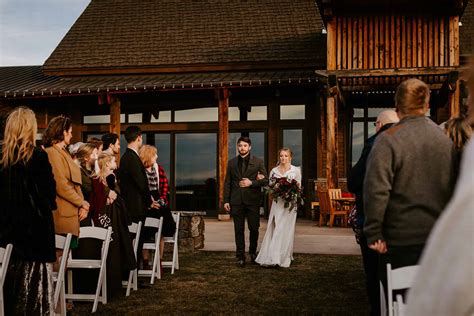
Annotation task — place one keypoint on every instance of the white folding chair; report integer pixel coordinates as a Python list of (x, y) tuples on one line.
[(398, 279), (63, 243), (400, 306), (136, 229), (174, 264), (105, 236), (5, 254), (155, 271)]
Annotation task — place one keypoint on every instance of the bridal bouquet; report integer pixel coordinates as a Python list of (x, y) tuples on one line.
[(286, 189)]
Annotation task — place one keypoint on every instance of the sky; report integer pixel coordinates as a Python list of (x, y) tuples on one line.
[(31, 29)]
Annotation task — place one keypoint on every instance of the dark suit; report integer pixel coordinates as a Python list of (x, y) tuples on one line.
[(134, 185), (245, 202)]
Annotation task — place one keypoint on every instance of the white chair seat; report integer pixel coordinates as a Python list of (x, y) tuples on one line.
[(84, 264)]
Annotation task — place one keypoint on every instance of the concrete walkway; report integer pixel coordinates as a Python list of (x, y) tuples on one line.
[(309, 238)]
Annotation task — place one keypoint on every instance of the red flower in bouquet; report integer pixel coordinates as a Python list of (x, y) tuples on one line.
[(287, 190)]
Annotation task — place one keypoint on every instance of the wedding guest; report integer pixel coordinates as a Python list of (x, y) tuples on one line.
[(111, 143), (459, 130), (109, 209), (99, 144), (243, 195), (409, 180), (86, 156), (73, 149), (71, 205), (27, 192), (158, 186), (355, 184), (277, 245), (133, 180)]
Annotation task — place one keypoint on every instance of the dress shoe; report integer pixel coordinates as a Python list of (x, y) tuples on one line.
[(240, 263), (253, 256)]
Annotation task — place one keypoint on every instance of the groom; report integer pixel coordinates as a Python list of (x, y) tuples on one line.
[(242, 197)]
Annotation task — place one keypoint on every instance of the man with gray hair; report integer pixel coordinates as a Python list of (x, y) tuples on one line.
[(355, 182)]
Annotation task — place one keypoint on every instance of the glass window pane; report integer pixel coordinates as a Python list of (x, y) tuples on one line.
[(258, 144), (234, 113), (101, 119), (357, 141), (292, 112), (371, 129), (258, 113), (196, 115), (196, 185), (374, 112), (163, 144), (293, 139), (135, 118), (358, 112), (164, 117)]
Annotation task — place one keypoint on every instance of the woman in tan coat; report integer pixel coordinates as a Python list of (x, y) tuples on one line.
[(72, 208)]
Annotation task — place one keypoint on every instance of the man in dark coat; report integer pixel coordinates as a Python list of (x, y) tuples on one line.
[(355, 183), (243, 195)]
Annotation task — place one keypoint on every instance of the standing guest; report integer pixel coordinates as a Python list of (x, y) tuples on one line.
[(133, 181), (72, 207), (98, 143), (355, 183), (111, 143), (158, 186), (409, 180), (73, 148), (459, 130), (243, 195), (86, 156), (444, 283), (26, 220)]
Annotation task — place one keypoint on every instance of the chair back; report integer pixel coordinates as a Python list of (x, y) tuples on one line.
[(324, 204), (135, 228), (334, 194), (63, 243), (5, 254), (398, 279)]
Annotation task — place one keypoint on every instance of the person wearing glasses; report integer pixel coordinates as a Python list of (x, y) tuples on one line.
[(355, 183)]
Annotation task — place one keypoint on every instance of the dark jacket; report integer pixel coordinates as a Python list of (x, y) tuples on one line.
[(27, 194), (409, 180), (233, 193), (134, 184), (355, 180)]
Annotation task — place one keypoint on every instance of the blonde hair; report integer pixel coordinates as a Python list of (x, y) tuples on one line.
[(459, 130), (412, 96), (146, 153), (19, 138), (84, 152), (103, 159), (284, 149)]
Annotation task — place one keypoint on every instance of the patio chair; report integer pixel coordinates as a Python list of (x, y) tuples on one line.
[(327, 207), (155, 271), (63, 243), (103, 235), (174, 263), (134, 228), (5, 254)]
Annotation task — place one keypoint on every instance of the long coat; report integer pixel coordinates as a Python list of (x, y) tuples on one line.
[(251, 196), (68, 191), (134, 184)]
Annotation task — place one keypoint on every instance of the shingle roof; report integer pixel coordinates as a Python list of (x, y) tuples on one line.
[(466, 31), (27, 81), (121, 34)]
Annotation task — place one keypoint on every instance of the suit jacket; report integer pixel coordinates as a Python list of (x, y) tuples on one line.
[(252, 195), (134, 184), (69, 198)]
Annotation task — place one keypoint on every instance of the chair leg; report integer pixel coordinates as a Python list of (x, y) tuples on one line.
[(129, 283), (2, 311), (331, 220), (100, 286), (69, 282), (62, 299), (177, 257), (135, 280), (173, 264), (156, 260), (320, 219)]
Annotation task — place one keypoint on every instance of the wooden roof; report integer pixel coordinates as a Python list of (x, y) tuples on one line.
[(129, 36), (29, 81)]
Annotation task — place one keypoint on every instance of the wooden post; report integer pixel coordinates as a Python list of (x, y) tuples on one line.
[(76, 117), (223, 98), (115, 119), (331, 44), (454, 99), (331, 137)]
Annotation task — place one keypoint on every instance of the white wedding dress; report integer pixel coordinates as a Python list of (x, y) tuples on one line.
[(277, 245)]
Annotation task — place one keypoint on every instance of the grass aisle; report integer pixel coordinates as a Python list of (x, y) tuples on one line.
[(210, 283)]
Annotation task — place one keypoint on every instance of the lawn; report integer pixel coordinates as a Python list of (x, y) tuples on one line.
[(210, 283)]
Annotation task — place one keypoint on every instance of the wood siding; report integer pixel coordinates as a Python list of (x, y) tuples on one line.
[(394, 41)]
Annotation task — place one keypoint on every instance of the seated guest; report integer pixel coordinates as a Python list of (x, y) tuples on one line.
[(158, 185)]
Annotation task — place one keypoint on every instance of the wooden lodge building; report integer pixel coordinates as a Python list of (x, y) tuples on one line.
[(195, 75)]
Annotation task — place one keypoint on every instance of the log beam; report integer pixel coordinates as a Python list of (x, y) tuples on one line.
[(223, 112), (331, 137), (115, 127)]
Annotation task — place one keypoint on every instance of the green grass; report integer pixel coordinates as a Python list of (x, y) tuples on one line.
[(211, 283)]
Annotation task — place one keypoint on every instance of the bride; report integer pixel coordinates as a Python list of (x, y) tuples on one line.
[(277, 245)]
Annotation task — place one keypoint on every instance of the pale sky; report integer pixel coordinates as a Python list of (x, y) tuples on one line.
[(31, 29)]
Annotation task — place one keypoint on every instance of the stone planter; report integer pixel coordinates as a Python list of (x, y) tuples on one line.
[(191, 231)]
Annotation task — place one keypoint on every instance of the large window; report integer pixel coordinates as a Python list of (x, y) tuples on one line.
[(293, 139)]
